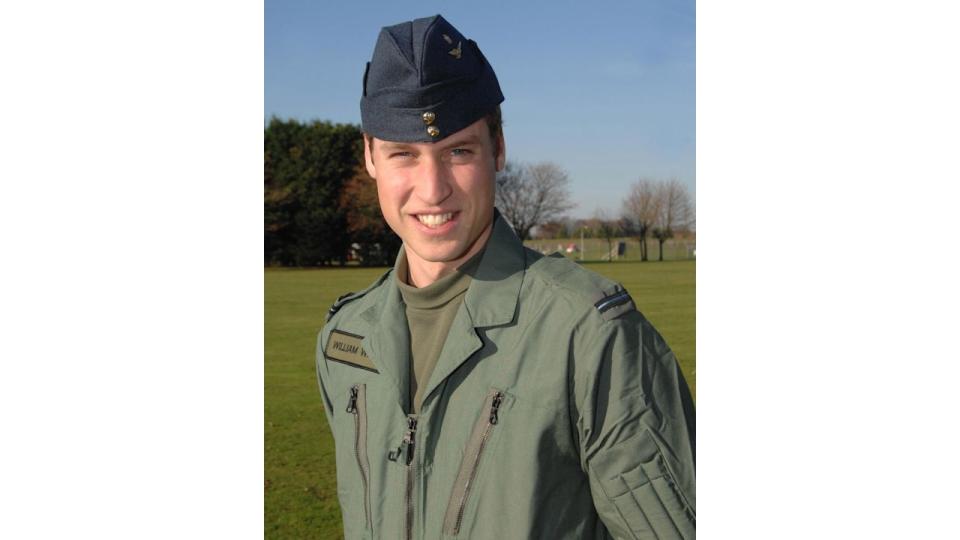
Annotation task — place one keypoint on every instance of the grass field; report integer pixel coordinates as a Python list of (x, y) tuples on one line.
[(299, 471)]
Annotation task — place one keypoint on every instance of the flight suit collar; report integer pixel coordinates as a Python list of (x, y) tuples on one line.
[(492, 297), (491, 300)]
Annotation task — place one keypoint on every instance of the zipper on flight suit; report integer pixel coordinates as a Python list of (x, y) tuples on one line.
[(406, 449), (471, 462), (358, 407)]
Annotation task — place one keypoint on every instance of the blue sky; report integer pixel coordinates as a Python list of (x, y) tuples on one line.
[(605, 90)]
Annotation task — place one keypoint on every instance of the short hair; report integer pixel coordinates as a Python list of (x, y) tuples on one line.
[(494, 120)]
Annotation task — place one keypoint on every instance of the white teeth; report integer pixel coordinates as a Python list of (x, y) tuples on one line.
[(434, 220)]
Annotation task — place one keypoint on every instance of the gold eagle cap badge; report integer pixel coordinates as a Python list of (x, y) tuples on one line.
[(456, 52), (453, 52)]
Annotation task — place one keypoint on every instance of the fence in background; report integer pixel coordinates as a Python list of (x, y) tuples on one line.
[(596, 249)]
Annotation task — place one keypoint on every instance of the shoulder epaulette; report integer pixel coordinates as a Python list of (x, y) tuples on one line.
[(613, 305), (343, 299), (346, 298)]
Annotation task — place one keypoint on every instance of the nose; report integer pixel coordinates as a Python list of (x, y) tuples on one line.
[(433, 183)]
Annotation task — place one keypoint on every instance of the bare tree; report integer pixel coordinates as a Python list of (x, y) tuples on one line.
[(662, 235), (531, 195), (608, 230), (640, 211), (674, 211)]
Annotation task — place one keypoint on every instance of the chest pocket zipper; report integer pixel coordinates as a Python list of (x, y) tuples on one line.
[(358, 407), (465, 481)]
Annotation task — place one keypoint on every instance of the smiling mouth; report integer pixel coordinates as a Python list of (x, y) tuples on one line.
[(434, 220)]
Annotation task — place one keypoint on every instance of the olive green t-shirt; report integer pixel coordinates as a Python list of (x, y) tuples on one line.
[(430, 312)]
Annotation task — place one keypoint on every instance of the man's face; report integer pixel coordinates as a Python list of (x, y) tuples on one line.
[(438, 197)]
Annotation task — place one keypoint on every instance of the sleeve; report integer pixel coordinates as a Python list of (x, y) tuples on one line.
[(322, 374), (635, 421)]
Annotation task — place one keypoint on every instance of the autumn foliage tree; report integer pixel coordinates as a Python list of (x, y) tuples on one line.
[(319, 204), (378, 244)]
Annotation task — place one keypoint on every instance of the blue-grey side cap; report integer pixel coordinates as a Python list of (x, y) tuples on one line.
[(425, 82)]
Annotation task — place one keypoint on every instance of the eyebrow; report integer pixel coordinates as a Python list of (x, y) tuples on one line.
[(470, 139), (390, 146), (387, 145)]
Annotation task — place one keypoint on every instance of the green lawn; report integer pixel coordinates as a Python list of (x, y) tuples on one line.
[(300, 498)]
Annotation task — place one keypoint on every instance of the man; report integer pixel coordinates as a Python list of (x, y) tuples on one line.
[(479, 389)]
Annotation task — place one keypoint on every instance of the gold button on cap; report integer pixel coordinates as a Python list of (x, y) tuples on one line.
[(428, 118), (433, 131)]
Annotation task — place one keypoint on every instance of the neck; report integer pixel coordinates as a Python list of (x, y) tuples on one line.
[(423, 272)]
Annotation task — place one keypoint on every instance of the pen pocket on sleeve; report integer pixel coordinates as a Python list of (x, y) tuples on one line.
[(649, 501)]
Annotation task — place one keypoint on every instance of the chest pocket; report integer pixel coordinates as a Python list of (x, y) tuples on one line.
[(357, 406), (485, 429)]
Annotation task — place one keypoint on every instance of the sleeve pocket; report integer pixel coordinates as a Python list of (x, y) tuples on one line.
[(649, 501)]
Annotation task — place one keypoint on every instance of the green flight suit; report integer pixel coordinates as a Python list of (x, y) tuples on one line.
[(555, 411)]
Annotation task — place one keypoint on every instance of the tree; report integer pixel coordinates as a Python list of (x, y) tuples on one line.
[(662, 235), (552, 229), (304, 169), (366, 227), (607, 229), (674, 211), (587, 227), (640, 211), (528, 196)]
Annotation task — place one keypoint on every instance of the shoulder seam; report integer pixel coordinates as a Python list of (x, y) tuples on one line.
[(609, 299), (351, 296)]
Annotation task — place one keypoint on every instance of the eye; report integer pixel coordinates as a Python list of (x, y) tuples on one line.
[(400, 154), (461, 152)]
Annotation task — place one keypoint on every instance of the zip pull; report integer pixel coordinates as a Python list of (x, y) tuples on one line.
[(406, 445), (395, 454), (405, 448), (495, 407), (409, 438), (352, 406)]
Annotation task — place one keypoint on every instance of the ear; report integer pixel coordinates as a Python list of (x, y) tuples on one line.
[(368, 157), (501, 152)]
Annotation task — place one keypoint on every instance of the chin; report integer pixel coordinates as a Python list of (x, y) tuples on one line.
[(437, 254), (440, 257)]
